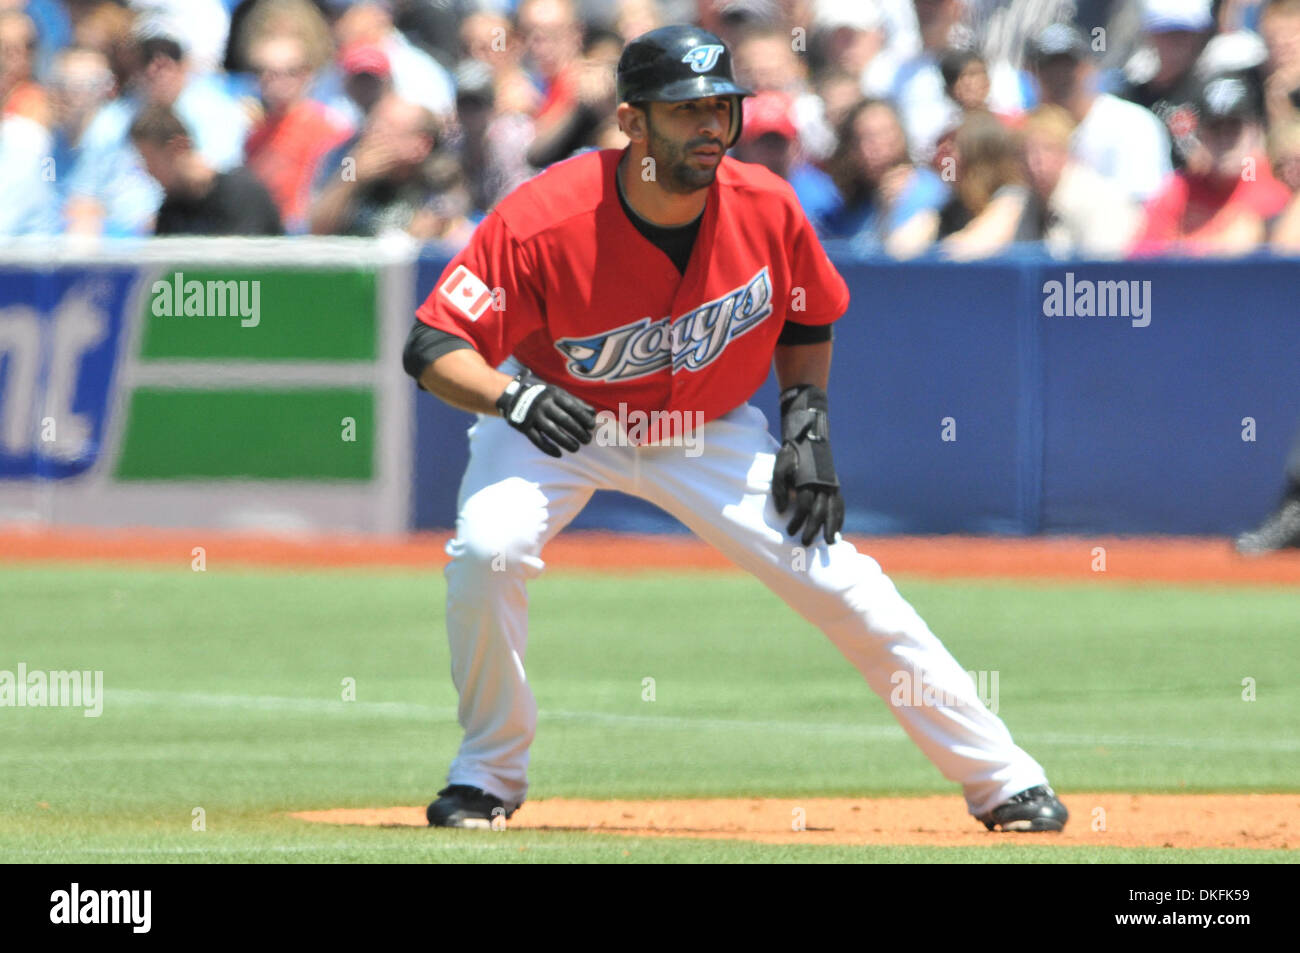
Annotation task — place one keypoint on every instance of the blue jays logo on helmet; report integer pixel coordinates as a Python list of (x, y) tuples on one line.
[(703, 58), (677, 63)]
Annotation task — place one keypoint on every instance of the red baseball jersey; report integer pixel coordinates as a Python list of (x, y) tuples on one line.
[(559, 277)]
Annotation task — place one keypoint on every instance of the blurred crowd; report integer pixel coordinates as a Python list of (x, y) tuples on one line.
[(1093, 128)]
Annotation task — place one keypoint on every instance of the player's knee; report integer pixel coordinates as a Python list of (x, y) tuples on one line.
[(492, 554)]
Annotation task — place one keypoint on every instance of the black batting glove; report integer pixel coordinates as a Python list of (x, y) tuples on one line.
[(803, 466), (549, 416)]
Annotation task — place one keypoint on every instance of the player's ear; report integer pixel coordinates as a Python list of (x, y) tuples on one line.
[(632, 121)]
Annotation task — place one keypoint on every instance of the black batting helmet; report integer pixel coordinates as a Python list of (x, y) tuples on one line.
[(675, 63)]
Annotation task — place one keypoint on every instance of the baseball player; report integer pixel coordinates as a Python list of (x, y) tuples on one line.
[(660, 282)]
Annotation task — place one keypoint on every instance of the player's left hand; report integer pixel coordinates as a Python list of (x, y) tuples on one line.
[(803, 466)]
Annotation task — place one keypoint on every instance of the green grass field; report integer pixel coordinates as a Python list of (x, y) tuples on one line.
[(223, 692)]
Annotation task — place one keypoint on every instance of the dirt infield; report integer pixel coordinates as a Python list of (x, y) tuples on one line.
[(1173, 559), (1260, 821)]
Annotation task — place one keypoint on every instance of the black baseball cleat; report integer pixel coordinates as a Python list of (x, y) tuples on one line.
[(459, 805), (1036, 809), (1279, 531)]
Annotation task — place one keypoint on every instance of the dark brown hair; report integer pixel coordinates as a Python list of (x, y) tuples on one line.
[(844, 165), (157, 125), (988, 159)]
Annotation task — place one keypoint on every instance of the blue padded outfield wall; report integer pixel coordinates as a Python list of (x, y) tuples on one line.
[(1082, 424)]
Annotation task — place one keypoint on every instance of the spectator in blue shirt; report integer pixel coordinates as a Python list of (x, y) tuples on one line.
[(219, 124), (102, 186)]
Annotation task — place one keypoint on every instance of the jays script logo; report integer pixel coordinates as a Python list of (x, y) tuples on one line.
[(703, 58), (691, 342)]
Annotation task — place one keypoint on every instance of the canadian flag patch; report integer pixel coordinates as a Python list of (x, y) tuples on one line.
[(467, 292)]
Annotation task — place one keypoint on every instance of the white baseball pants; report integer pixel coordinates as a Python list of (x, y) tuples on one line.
[(514, 498)]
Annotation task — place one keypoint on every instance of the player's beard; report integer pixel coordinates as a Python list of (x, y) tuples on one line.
[(674, 173)]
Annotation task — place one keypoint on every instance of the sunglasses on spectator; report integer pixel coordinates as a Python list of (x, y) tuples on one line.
[(64, 84), (161, 46), (277, 72)]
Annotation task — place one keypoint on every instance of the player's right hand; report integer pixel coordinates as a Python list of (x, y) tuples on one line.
[(549, 416)]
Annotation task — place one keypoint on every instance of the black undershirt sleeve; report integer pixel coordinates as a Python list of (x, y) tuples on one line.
[(424, 345), (794, 333)]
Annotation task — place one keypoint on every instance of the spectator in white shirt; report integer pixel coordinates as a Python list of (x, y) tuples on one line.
[(850, 34), (1119, 140), (867, 38), (28, 205), (1082, 214), (917, 83), (201, 26), (916, 87)]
